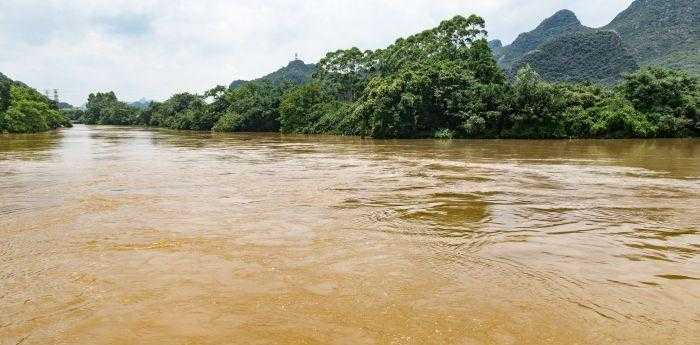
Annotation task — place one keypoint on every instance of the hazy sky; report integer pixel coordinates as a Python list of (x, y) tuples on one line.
[(154, 48)]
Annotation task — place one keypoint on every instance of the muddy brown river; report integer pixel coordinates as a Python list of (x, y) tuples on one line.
[(112, 235)]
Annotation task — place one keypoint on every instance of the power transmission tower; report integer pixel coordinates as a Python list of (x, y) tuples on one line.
[(55, 96)]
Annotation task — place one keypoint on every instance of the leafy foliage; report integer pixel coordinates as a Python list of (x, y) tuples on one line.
[(105, 109), (670, 98), (299, 111), (181, 111), (252, 108), (24, 110)]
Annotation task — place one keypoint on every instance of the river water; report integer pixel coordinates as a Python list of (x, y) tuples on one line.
[(112, 235)]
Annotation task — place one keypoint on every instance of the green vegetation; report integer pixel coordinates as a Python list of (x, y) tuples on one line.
[(105, 109), (296, 72), (600, 57), (662, 33), (24, 110), (562, 80), (251, 108), (562, 23), (658, 33), (441, 83)]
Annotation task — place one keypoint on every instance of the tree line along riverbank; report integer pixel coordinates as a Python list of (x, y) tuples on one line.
[(441, 83)]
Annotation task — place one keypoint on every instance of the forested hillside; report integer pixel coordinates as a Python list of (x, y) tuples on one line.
[(24, 110), (662, 33), (496, 47), (652, 32), (561, 23), (599, 57), (296, 72)]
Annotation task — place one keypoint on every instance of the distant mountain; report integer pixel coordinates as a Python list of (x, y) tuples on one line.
[(560, 24), (141, 104), (496, 47), (64, 105), (595, 56), (296, 72), (662, 32), (651, 32)]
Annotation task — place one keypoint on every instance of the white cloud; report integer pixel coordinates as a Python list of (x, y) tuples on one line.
[(154, 48)]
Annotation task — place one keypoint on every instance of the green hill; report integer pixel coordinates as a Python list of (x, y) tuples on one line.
[(4, 78), (296, 72), (653, 32), (662, 32), (25, 110), (141, 103), (561, 23), (595, 56)]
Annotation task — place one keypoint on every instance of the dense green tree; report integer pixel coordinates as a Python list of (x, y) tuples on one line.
[(172, 112), (254, 107), (5, 101), (30, 112), (670, 98), (217, 97), (27, 117), (297, 113), (534, 107), (103, 108), (5, 97), (345, 72), (416, 86)]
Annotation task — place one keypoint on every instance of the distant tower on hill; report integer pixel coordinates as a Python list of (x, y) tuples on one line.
[(55, 95), (296, 56)]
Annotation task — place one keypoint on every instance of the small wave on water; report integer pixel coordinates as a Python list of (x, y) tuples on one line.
[(213, 237)]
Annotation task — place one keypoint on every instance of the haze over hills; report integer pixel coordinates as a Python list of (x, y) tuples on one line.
[(651, 32)]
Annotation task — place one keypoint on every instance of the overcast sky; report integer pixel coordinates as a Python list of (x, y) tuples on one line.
[(154, 48)]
